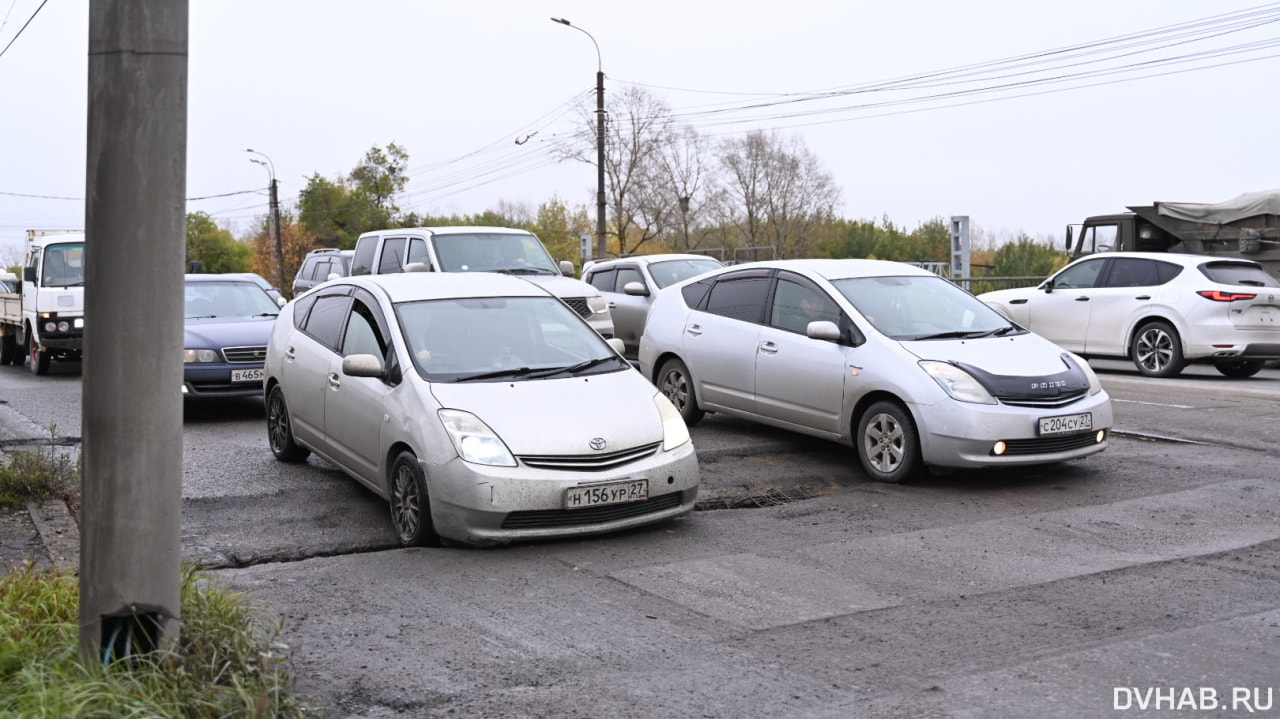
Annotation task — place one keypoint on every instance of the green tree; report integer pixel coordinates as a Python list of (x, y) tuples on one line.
[(333, 213), (1024, 257), (214, 247)]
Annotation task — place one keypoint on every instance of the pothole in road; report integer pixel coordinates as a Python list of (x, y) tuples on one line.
[(770, 498)]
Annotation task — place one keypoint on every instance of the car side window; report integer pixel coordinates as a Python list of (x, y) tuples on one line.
[(795, 306), (325, 321), (1083, 275), (392, 252), (602, 280), (418, 251), (741, 298), (1131, 272), (625, 275), (362, 335), (362, 261)]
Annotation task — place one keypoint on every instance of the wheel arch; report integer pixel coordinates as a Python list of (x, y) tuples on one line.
[(1131, 339)]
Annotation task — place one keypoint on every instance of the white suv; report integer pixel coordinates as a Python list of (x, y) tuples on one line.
[(481, 249)]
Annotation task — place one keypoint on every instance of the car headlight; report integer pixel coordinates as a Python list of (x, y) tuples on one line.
[(957, 383), (473, 440), (1095, 385), (597, 304), (189, 356), (674, 431)]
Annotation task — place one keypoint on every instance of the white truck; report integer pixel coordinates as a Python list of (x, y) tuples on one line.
[(44, 319)]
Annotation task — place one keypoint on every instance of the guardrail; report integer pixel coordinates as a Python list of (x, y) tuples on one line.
[(978, 285)]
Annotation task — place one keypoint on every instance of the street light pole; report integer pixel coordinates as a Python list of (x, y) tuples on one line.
[(600, 202), (275, 213)]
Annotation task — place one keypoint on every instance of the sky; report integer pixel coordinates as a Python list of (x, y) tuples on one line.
[(1024, 116)]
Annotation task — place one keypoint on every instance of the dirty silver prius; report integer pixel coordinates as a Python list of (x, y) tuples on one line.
[(883, 356), (479, 405)]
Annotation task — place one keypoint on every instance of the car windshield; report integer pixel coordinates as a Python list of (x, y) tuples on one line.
[(670, 272), (502, 338), (63, 265), (227, 298), (922, 308), (493, 252)]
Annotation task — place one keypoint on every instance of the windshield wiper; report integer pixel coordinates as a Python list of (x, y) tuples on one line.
[(525, 271), (573, 369), (513, 372)]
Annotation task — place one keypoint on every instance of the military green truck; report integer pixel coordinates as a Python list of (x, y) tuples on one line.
[(1247, 226)]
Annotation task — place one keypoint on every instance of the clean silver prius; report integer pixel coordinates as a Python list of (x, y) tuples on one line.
[(886, 357), (479, 405)]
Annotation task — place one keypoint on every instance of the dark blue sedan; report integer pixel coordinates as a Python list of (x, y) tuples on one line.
[(228, 319)]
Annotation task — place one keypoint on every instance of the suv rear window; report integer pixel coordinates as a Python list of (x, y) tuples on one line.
[(1238, 273)]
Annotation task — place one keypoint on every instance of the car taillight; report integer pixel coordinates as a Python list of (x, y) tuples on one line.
[(1220, 296)]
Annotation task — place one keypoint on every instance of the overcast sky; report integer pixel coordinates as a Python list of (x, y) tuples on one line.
[(314, 84)]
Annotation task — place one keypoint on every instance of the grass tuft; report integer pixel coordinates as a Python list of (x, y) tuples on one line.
[(226, 663), (44, 473)]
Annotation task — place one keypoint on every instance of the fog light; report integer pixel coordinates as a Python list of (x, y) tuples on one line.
[(999, 448), (1102, 435)]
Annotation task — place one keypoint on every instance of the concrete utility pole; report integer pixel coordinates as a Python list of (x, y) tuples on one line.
[(601, 237), (275, 213), (135, 227)]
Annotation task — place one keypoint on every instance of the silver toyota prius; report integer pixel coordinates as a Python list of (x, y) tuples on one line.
[(903, 365), (479, 405)]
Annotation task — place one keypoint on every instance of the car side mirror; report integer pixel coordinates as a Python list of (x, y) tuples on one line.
[(362, 365), (823, 330), (636, 289), (332, 276), (566, 268), (618, 345), (417, 267), (29, 274)]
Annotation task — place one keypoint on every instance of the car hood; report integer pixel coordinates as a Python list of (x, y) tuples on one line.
[(1023, 365), (228, 331), (562, 286), (562, 416)]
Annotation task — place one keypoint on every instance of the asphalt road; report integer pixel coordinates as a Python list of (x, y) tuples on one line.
[(1139, 582)]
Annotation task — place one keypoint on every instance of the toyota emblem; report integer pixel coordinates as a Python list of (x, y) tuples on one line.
[(598, 443)]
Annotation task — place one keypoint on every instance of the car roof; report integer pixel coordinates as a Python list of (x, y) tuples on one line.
[(836, 269), (650, 259), (1181, 258), (451, 230), (413, 286)]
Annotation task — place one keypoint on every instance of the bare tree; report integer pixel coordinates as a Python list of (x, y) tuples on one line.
[(778, 192), (686, 187)]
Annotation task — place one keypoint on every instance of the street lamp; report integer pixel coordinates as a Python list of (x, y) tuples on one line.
[(275, 212), (600, 204)]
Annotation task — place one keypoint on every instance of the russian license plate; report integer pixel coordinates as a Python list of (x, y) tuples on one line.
[(248, 375), (1066, 424), (594, 495)]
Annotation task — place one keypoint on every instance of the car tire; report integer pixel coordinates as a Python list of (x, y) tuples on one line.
[(676, 383), (9, 353), (1157, 350), (888, 444), (1239, 368), (280, 429), (37, 358), (411, 504)]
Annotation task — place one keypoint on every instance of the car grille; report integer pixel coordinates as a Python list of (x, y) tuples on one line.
[(1050, 445), (578, 304), (245, 355), (1050, 402), (589, 462), (550, 518)]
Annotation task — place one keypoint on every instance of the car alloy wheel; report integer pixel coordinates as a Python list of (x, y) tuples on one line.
[(1157, 350), (410, 506), (887, 443), (280, 429), (676, 383)]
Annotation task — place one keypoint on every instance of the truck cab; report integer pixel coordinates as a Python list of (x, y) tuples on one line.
[(53, 298)]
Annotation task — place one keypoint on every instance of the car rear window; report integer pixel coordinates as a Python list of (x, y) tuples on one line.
[(1238, 273)]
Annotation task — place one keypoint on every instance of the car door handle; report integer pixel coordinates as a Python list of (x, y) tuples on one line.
[(693, 329), (334, 380), (1018, 302), (1142, 297), (612, 304), (290, 353), (768, 347), (1082, 298)]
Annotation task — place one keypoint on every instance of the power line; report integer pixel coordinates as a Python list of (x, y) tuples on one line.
[(24, 27)]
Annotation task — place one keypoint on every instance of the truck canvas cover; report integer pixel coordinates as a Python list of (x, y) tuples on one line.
[(1250, 204)]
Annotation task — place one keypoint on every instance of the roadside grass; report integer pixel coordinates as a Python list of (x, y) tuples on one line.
[(228, 662), (45, 473), (225, 665)]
